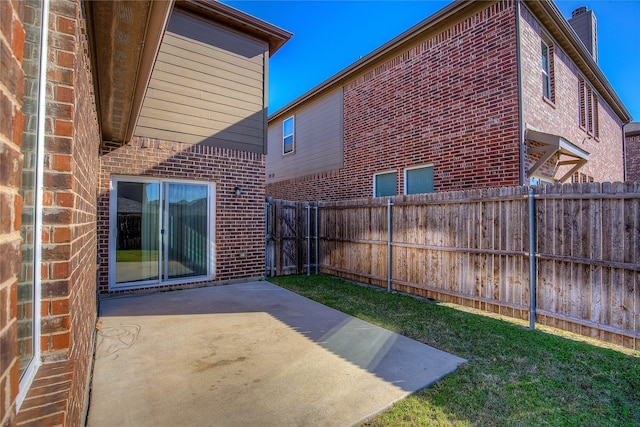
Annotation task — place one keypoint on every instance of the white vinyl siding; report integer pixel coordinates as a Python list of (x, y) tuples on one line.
[(207, 87), (318, 140), (288, 135)]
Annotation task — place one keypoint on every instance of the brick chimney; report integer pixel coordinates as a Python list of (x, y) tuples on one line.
[(584, 24)]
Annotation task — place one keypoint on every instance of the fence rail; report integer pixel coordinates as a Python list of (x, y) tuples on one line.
[(472, 248)]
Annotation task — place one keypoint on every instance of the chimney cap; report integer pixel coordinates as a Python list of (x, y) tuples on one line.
[(579, 11)]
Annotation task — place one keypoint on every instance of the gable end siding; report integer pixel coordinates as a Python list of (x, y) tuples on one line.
[(207, 87), (318, 140)]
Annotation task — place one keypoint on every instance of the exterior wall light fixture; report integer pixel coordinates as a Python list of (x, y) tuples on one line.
[(238, 191)]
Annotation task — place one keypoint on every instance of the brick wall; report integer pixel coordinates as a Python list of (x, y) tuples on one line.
[(632, 142), (68, 268), (561, 114), (78, 200), (239, 220), (449, 100), (12, 37)]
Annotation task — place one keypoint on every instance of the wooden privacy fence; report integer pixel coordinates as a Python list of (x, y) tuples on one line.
[(290, 247), (473, 248)]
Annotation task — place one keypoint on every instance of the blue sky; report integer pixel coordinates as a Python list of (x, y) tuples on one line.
[(330, 35)]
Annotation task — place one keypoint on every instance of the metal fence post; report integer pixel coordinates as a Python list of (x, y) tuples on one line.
[(532, 260), (389, 245), (316, 225), (308, 239)]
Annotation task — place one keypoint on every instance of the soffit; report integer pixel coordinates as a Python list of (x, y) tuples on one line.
[(124, 38)]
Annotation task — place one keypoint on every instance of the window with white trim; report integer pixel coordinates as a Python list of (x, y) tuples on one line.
[(384, 184), (288, 135), (547, 70), (418, 180), (588, 107)]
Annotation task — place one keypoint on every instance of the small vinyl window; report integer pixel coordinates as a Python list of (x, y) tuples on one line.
[(288, 135), (418, 180), (546, 71), (384, 184)]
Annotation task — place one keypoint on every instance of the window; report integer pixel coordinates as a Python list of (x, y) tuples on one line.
[(29, 291), (384, 184), (162, 232), (588, 108), (288, 132), (546, 71), (580, 177), (536, 180), (418, 180)]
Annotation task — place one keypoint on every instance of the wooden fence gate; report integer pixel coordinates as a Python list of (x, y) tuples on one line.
[(291, 237)]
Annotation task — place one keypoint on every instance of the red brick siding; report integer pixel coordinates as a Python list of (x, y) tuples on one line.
[(68, 267), (83, 164), (562, 116), (239, 221), (633, 157), (449, 100), (11, 122)]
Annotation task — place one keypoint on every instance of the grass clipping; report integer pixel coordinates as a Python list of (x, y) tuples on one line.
[(514, 377)]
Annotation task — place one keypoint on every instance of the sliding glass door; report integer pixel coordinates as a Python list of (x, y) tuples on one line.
[(186, 225), (161, 232)]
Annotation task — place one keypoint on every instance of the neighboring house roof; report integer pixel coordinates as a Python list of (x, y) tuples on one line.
[(632, 129), (127, 206), (125, 38), (545, 9)]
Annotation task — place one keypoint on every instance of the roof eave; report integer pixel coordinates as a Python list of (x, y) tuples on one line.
[(235, 18), (571, 43), (565, 34), (375, 55)]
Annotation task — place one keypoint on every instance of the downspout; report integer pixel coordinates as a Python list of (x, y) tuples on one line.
[(266, 239), (523, 180), (624, 153)]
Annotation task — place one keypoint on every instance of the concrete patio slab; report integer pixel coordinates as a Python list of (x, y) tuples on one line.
[(248, 354)]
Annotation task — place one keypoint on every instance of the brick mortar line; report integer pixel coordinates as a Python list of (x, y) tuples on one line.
[(9, 190), (10, 237), (6, 328), (5, 140)]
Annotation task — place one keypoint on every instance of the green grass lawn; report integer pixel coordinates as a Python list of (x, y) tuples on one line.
[(136, 255), (514, 376)]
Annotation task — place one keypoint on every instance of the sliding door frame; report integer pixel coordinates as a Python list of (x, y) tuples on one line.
[(163, 203)]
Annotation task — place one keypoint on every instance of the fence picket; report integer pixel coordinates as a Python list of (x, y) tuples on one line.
[(471, 247)]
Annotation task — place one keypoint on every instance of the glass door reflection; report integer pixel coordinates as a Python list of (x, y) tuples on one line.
[(137, 233)]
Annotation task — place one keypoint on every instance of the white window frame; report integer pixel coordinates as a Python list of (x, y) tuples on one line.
[(375, 175), (24, 383), (287, 135), (113, 214), (546, 72), (428, 165), (540, 180), (588, 101)]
